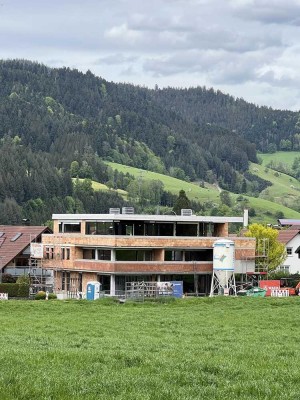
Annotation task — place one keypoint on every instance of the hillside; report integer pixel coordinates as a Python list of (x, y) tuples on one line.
[(284, 157), (265, 209), (58, 124)]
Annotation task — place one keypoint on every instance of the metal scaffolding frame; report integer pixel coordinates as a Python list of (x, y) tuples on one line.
[(37, 274)]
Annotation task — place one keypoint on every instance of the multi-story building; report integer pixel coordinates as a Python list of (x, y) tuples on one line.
[(117, 248)]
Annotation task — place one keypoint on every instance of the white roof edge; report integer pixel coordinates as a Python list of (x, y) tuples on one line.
[(133, 217)]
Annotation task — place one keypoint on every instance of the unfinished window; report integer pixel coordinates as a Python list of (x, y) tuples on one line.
[(104, 255), (133, 255), (49, 252), (65, 280), (199, 255), (166, 229), (65, 253), (171, 255), (100, 228), (88, 254), (74, 227), (186, 229)]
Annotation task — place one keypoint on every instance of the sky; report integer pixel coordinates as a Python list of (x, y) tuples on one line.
[(247, 48)]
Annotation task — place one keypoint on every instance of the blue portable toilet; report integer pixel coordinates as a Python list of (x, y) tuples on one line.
[(93, 290)]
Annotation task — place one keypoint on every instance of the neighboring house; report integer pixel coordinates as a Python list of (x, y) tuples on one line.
[(116, 248), (291, 239), (15, 257)]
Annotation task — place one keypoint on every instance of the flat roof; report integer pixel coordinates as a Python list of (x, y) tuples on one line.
[(143, 217)]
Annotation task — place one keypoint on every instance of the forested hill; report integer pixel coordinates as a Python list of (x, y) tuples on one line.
[(60, 123), (269, 129)]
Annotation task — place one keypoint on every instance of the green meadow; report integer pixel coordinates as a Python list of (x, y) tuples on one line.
[(284, 190), (205, 348), (173, 185), (284, 157), (265, 209)]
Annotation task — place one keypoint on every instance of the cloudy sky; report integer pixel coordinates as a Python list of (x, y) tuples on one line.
[(247, 48)]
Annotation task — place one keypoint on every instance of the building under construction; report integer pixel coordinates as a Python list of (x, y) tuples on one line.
[(122, 247)]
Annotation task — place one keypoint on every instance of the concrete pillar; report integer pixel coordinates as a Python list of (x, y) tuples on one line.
[(246, 218), (113, 255), (55, 227), (112, 285), (158, 278)]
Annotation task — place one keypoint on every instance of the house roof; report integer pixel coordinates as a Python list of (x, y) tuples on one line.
[(15, 239), (284, 221), (286, 235)]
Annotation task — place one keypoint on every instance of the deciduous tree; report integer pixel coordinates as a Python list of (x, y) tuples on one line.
[(267, 245)]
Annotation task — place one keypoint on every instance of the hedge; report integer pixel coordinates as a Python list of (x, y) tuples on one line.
[(15, 289)]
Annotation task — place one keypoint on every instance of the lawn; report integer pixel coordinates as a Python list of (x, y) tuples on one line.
[(220, 348)]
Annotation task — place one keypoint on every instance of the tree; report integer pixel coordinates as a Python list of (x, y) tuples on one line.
[(225, 198), (181, 202), (274, 250), (74, 169)]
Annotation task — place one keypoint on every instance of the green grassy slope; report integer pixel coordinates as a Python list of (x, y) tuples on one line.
[(285, 157), (207, 348), (101, 186), (284, 190), (173, 185), (265, 209)]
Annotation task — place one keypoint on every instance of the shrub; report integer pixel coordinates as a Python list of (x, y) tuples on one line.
[(23, 280), (14, 289), (8, 278), (41, 295), (52, 296)]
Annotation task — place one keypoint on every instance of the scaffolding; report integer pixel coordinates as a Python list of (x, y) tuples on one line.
[(261, 264), (40, 278)]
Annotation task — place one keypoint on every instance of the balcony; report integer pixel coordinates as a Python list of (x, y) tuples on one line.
[(133, 267)]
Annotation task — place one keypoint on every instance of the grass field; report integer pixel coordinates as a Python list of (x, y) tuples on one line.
[(220, 348), (284, 190), (173, 185), (285, 157), (101, 186), (265, 209)]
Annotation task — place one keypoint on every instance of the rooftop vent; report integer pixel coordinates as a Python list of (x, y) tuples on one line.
[(127, 210), (186, 212), (114, 211)]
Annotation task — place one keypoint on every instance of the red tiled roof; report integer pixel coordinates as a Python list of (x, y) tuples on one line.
[(286, 235), (10, 249)]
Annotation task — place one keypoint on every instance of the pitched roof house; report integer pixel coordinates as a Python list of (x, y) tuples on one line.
[(291, 239), (15, 247)]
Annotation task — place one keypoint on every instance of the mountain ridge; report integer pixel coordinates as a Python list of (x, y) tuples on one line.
[(63, 116)]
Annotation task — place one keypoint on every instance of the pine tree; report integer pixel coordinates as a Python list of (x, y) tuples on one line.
[(182, 202)]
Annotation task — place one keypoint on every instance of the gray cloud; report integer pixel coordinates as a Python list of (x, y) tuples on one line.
[(247, 47), (117, 58), (270, 12)]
